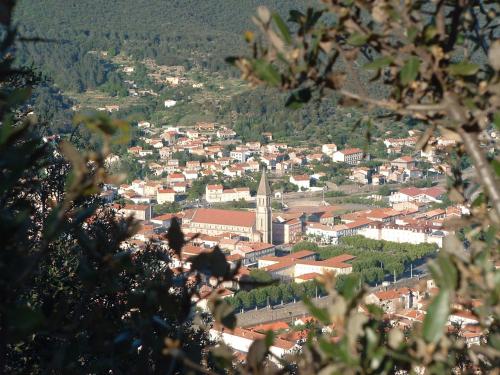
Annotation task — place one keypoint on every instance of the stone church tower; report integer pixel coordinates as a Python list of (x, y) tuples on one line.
[(263, 216)]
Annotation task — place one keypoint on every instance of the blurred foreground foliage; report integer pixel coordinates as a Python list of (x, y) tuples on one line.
[(439, 62)]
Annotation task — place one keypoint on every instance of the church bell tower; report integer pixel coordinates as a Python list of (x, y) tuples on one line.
[(263, 216)]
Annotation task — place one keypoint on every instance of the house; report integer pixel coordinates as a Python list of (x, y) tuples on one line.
[(329, 149), (393, 300), (399, 142), (294, 266), (404, 162), (303, 182), (252, 251), (151, 187), (433, 194), (327, 234), (169, 103), (190, 175), (163, 220), (298, 255), (165, 196), (139, 211), (175, 177), (361, 175), (216, 193), (287, 229), (134, 150), (269, 160), (414, 233), (349, 156), (268, 136), (179, 187), (240, 155), (225, 133), (240, 340), (314, 157), (192, 134)]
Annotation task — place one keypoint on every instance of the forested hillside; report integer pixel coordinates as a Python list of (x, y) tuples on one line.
[(184, 32), (195, 34)]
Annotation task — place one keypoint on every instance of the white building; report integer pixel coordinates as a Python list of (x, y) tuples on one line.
[(325, 233), (240, 340), (240, 155), (169, 103), (329, 149), (165, 196), (217, 193), (349, 156), (425, 195), (303, 182), (404, 234)]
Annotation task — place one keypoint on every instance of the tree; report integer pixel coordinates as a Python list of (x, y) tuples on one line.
[(436, 64), (260, 275), (274, 294), (75, 298), (260, 296), (166, 208), (247, 299), (305, 245), (384, 190)]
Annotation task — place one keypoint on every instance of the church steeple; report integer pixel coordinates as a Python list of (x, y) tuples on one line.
[(263, 216), (264, 188)]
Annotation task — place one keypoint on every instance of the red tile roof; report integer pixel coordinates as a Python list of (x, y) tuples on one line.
[(308, 276), (214, 187), (224, 217), (350, 151), (163, 217), (166, 191)]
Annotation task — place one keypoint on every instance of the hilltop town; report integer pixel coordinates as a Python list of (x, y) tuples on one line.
[(284, 212)]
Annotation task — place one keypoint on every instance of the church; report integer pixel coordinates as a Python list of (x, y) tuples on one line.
[(250, 226)]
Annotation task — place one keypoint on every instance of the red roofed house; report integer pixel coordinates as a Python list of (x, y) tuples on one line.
[(404, 162), (252, 251), (393, 300), (292, 267), (163, 220), (240, 339), (175, 177)]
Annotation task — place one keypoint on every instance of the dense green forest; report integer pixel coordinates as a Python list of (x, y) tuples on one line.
[(175, 32)]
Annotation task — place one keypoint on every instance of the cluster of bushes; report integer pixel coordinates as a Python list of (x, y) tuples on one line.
[(371, 202), (275, 294)]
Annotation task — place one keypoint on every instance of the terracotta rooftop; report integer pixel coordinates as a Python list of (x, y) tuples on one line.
[(434, 191), (350, 151), (163, 217), (166, 191), (224, 217), (308, 276), (214, 187)]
